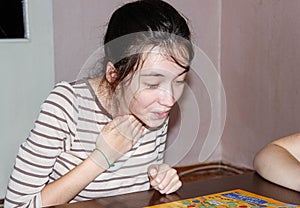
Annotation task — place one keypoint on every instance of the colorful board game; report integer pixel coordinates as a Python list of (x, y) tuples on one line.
[(234, 198)]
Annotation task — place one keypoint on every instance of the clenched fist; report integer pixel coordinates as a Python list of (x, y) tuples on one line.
[(163, 178)]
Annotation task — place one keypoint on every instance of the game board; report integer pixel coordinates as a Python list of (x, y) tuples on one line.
[(234, 198)]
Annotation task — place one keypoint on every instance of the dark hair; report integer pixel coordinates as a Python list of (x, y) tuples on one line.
[(142, 25)]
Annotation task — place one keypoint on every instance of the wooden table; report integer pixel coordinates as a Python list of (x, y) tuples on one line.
[(250, 182)]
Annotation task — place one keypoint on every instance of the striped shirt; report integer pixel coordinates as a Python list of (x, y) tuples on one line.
[(64, 135)]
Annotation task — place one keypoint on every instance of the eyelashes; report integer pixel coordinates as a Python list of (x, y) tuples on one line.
[(180, 81), (152, 86), (156, 85)]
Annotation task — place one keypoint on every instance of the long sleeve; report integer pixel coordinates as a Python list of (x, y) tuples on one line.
[(52, 131)]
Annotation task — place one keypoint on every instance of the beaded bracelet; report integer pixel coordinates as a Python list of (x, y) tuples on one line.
[(109, 164)]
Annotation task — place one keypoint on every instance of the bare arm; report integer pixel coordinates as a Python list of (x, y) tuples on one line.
[(65, 188), (279, 162)]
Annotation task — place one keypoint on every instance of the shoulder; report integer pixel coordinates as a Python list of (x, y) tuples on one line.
[(61, 99), (63, 93), (69, 91), (288, 141), (291, 143), (63, 87)]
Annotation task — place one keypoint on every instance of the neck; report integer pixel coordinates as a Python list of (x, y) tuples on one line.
[(102, 92), (109, 100)]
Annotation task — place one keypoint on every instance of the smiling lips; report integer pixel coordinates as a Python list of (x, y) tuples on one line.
[(161, 115)]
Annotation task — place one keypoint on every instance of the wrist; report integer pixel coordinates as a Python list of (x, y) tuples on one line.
[(101, 159), (105, 157)]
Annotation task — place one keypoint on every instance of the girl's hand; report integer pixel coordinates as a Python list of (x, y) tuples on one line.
[(117, 138), (163, 178)]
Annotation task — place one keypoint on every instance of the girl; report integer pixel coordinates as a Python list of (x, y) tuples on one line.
[(105, 135)]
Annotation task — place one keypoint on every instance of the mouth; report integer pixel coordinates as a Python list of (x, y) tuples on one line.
[(161, 115)]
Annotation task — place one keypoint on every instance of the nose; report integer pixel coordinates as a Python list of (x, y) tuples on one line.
[(166, 98)]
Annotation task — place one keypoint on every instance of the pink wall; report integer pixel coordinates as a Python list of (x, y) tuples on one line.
[(78, 31), (260, 70)]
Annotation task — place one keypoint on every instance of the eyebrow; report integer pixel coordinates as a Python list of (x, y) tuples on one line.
[(154, 74)]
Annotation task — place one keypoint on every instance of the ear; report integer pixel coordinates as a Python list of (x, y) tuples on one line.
[(111, 74)]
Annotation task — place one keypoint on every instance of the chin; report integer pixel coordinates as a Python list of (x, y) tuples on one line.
[(155, 124), (149, 122)]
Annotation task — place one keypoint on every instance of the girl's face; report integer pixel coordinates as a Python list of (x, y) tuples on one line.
[(153, 90)]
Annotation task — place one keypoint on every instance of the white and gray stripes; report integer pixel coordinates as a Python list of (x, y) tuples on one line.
[(63, 136)]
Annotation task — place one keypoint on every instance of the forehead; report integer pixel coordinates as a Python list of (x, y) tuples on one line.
[(159, 63)]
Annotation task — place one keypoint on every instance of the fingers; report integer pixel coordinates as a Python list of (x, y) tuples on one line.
[(124, 121), (118, 137), (131, 128), (166, 180), (122, 130), (173, 186), (117, 121), (120, 121), (137, 132), (152, 171)]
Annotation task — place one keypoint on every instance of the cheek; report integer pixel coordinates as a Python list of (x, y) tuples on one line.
[(142, 100), (178, 93)]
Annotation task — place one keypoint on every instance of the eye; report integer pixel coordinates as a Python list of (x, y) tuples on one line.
[(152, 86), (179, 82)]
